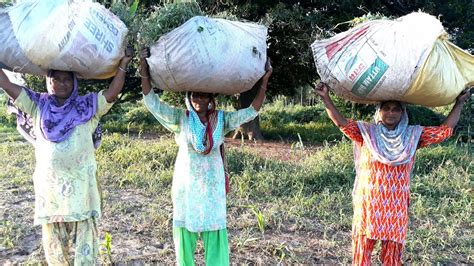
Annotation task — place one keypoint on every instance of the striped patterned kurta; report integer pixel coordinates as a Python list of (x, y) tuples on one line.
[(381, 194)]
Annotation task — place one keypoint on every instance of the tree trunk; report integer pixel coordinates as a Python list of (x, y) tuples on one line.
[(250, 129)]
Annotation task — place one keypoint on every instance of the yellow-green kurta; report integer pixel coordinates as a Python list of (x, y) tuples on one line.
[(65, 182)]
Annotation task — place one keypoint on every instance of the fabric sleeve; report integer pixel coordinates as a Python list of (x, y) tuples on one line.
[(167, 115), (433, 135), (25, 104), (103, 106), (233, 120), (352, 131)]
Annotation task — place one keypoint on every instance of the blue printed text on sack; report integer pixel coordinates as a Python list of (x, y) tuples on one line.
[(369, 79), (99, 35)]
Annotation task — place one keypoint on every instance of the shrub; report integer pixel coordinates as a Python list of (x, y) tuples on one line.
[(165, 18), (7, 121)]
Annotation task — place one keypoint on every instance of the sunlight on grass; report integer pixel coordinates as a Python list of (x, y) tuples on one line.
[(269, 198)]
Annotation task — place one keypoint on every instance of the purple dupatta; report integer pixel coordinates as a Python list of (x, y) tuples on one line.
[(57, 122)]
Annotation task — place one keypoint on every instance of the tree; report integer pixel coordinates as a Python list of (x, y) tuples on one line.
[(292, 27)]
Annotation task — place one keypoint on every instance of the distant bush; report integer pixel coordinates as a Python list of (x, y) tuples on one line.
[(419, 115), (132, 118), (282, 121), (279, 120)]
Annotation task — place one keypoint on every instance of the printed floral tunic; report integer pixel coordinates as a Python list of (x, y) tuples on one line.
[(381, 194), (198, 189), (65, 181)]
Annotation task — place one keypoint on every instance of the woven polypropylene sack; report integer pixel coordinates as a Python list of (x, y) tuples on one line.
[(79, 36), (379, 60), (11, 55), (447, 71), (209, 55)]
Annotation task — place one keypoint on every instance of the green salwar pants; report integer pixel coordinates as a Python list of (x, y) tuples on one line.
[(216, 246)]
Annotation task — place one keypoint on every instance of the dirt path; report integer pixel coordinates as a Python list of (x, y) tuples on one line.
[(141, 234), (140, 226), (291, 152)]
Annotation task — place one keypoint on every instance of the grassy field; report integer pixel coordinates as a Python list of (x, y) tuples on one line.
[(292, 210)]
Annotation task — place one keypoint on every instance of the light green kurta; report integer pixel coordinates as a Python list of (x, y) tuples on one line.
[(198, 189), (65, 181)]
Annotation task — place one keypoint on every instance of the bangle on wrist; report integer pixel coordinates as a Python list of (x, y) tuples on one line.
[(145, 77), (121, 69)]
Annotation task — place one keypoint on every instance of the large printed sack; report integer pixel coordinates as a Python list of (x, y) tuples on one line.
[(11, 55), (79, 36), (408, 59), (209, 55)]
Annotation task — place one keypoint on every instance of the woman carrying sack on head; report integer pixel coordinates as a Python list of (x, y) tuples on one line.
[(384, 158), (67, 193), (199, 182)]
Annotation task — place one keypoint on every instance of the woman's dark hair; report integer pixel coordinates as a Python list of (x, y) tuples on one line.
[(211, 95), (52, 71), (392, 101)]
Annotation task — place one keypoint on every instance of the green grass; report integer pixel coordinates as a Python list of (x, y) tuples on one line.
[(269, 195), (273, 204), (146, 164), (282, 121)]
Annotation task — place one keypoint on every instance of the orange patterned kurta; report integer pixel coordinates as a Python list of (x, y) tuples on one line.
[(381, 192)]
